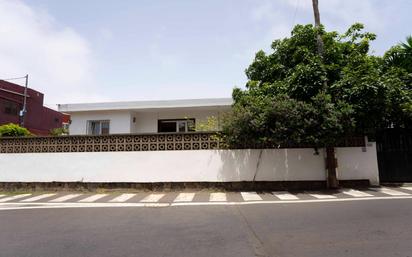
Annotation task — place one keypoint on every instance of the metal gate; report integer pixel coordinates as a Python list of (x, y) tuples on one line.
[(394, 150)]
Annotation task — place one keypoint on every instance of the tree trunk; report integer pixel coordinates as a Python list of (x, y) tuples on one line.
[(331, 162), (331, 165)]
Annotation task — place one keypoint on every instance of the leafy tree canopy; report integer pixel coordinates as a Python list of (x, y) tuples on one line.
[(295, 95)]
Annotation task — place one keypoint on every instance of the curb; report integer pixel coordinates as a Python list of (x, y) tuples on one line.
[(177, 186)]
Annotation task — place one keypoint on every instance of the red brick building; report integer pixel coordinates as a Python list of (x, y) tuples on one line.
[(38, 119)]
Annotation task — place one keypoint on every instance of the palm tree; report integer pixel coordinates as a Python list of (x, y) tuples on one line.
[(400, 55), (407, 46)]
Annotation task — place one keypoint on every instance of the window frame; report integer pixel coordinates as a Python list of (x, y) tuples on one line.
[(12, 106), (177, 122), (89, 130)]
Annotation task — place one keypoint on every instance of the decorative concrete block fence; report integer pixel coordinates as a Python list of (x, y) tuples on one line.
[(110, 143), (165, 158)]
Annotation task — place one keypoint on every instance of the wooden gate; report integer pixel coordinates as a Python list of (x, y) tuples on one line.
[(394, 151)]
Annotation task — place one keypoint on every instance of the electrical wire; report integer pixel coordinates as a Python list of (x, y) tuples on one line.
[(296, 11), (14, 78)]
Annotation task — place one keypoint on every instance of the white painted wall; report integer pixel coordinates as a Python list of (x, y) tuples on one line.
[(186, 166), (146, 122), (351, 166), (120, 121)]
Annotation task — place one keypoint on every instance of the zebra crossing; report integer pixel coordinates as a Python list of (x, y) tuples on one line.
[(37, 198), (65, 198), (179, 198), (217, 197), (12, 198), (285, 196), (356, 193), (122, 198)]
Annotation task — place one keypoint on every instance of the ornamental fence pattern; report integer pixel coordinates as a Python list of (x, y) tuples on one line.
[(132, 142), (109, 143)]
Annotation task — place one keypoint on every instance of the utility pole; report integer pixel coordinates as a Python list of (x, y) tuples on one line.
[(24, 110), (331, 161), (316, 13)]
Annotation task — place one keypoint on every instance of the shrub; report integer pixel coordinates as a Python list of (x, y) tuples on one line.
[(13, 130), (59, 132)]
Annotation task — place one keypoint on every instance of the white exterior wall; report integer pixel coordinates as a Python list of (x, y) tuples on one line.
[(186, 166), (146, 122), (350, 166), (120, 121)]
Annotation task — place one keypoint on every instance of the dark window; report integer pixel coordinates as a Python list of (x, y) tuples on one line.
[(105, 128), (10, 107), (167, 126), (184, 125)]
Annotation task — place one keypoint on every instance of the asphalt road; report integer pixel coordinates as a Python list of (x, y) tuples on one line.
[(357, 228)]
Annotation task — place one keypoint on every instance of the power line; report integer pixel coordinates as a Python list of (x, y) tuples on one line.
[(22, 113), (14, 78), (296, 11)]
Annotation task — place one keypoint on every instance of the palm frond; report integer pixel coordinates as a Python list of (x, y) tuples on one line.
[(407, 45)]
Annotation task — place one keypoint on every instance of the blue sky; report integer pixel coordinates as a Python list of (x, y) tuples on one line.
[(106, 50)]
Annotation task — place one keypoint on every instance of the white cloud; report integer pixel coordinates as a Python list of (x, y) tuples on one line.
[(58, 60)]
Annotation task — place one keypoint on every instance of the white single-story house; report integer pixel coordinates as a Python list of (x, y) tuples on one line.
[(143, 116)]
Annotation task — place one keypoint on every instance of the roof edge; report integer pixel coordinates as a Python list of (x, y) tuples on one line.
[(146, 104)]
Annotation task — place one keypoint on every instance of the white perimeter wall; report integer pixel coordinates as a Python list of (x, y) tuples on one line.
[(187, 166)]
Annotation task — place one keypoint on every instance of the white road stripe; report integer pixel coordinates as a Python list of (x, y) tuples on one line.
[(389, 191), (36, 198), (122, 198), (285, 196), (184, 197), (251, 196), (218, 197), (65, 198), (356, 193), (323, 196), (407, 188), (14, 197), (92, 198), (152, 198)]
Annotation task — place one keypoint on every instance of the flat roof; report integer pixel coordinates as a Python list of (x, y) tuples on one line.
[(142, 105)]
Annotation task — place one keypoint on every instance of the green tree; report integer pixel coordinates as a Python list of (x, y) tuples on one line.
[(287, 100), (400, 56), (59, 132), (211, 123), (397, 64)]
